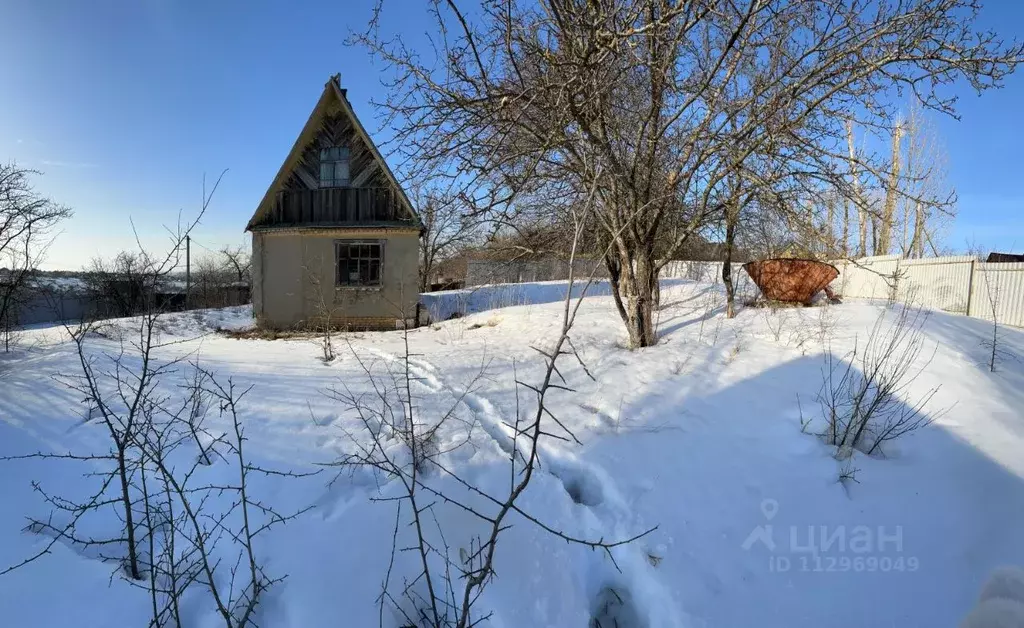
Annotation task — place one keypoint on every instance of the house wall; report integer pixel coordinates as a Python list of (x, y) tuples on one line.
[(294, 279)]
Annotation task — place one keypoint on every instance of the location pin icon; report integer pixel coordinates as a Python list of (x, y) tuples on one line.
[(769, 508)]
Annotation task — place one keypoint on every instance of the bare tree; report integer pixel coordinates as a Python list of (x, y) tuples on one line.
[(238, 259), (447, 227), (210, 283), (911, 178), (27, 220), (124, 285), (992, 293), (929, 203), (533, 99), (325, 306), (993, 288), (218, 279)]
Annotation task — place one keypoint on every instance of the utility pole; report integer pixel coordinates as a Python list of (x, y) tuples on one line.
[(188, 268)]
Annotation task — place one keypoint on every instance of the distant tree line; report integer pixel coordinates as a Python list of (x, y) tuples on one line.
[(125, 285)]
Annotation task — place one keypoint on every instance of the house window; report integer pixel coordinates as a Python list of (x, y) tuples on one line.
[(334, 167), (359, 262)]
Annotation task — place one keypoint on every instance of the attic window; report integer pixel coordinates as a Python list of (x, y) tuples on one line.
[(334, 167)]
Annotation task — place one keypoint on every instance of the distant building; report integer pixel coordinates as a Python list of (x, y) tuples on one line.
[(1004, 257)]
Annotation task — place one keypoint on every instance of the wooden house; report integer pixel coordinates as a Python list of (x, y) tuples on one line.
[(335, 237)]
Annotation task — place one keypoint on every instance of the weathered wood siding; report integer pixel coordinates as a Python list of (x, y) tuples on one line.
[(369, 199), (337, 206), (336, 130)]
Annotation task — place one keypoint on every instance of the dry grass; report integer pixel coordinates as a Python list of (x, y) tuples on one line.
[(493, 321), (255, 333)]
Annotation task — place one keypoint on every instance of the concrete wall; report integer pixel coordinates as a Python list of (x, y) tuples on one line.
[(294, 279), (46, 306)]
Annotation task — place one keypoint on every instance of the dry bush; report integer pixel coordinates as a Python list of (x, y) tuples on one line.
[(203, 532), (710, 301), (326, 309), (995, 350), (863, 396), (179, 526), (819, 329), (154, 511), (776, 317), (827, 323), (401, 443)]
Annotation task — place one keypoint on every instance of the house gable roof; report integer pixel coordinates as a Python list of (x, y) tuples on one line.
[(332, 94)]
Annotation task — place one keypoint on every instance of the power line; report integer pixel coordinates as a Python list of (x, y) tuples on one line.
[(194, 241)]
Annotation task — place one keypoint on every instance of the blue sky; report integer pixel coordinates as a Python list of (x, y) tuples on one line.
[(125, 105)]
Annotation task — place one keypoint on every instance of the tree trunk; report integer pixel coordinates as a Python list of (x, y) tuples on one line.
[(634, 296), (874, 234), (846, 228), (917, 241), (884, 242), (615, 279), (655, 291), (862, 222), (730, 289), (862, 246), (129, 519), (830, 235), (905, 240), (426, 266)]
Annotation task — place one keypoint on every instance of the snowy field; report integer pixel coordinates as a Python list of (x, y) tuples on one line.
[(700, 436)]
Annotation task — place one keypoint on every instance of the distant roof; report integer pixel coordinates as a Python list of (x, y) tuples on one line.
[(1004, 257)]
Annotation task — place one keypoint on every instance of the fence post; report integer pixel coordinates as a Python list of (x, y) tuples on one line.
[(970, 287)]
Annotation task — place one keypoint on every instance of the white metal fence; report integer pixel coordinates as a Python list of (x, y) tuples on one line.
[(954, 284), (959, 284)]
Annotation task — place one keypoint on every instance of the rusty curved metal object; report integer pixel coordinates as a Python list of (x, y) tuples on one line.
[(791, 280)]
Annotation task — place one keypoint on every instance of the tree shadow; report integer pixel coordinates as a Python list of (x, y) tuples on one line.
[(452, 303), (739, 462), (971, 336), (998, 394)]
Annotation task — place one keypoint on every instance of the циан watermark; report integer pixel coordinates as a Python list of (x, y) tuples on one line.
[(830, 549)]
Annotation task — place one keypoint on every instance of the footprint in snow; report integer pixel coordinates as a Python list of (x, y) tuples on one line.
[(614, 607), (582, 485)]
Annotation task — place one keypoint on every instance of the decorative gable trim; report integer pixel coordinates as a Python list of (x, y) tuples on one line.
[(332, 94)]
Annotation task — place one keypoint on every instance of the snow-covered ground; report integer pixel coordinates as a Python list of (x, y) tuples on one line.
[(699, 436)]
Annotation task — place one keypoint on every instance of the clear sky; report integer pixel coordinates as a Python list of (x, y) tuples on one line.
[(125, 105)]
